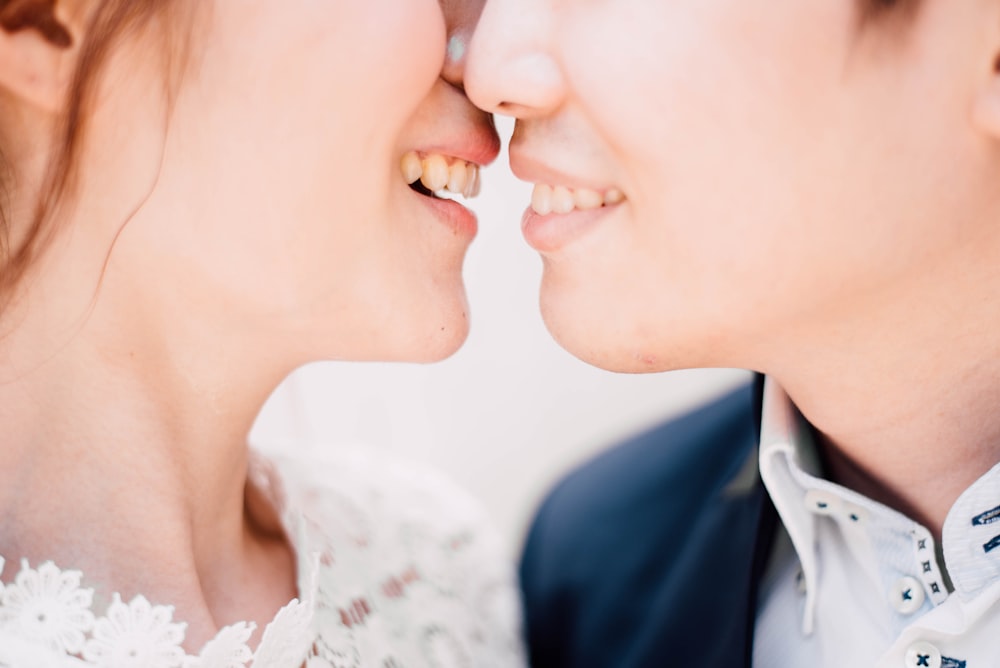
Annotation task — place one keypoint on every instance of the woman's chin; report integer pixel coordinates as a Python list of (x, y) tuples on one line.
[(441, 350), (442, 340), (431, 336)]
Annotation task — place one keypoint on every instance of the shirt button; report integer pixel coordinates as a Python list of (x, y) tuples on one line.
[(907, 595), (923, 655), (856, 514), (822, 502)]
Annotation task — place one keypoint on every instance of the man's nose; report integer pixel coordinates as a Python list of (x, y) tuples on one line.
[(512, 67)]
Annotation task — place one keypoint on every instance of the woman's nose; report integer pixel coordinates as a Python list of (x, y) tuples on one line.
[(511, 67), (460, 17)]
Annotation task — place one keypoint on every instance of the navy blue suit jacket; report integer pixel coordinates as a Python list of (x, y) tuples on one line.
[(650, 555)]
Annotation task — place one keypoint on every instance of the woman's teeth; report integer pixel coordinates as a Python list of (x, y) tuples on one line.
[(436, 173), (546, 199)]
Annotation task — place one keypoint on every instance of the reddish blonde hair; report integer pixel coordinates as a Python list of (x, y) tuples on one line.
[(109, 21)]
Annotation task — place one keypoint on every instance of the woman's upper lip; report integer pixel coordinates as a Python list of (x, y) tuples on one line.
[(479, 145)]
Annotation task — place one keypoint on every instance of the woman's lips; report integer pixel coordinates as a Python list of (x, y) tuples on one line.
[(457, 218), (437, 173), (433, 176)]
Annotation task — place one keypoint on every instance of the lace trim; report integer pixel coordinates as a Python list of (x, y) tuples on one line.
[(46, 619), (397, 568)]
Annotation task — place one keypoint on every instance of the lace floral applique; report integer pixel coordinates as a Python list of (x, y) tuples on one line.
[(46, 621), (229, 649), (47, 607), (288, 639), (136, 635)]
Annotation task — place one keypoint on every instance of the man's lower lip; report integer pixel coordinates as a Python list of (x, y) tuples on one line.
[(460, 220), (553, 231)]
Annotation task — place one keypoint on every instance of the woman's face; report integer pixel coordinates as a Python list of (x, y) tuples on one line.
[(281, 206), (718, 178)]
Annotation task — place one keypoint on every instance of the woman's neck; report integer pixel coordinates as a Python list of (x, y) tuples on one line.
[(125, 457)]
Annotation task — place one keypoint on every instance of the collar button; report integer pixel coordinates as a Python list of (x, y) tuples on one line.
[(922, 655), (907, 595)]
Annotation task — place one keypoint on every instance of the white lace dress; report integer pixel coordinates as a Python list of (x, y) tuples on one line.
[(397, 569)]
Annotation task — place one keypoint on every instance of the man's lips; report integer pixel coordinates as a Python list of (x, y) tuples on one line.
[(558, 191), (546, 199)]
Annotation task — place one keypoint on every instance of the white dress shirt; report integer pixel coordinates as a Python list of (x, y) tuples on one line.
[(855, 583)]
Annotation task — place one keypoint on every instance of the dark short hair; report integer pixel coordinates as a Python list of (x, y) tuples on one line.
[(871, 12)]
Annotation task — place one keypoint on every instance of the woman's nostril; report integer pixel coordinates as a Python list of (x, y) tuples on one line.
[(456, 49)]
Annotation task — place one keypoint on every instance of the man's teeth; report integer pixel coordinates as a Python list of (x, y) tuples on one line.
[(436, 173), (546, 199)]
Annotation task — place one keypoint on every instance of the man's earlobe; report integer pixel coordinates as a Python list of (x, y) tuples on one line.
[(37, 54), (986, 113)]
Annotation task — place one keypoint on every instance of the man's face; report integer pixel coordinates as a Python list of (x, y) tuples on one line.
[(764, 174)]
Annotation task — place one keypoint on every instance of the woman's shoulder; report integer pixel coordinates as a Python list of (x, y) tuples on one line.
[(407, 563), (354, 486)]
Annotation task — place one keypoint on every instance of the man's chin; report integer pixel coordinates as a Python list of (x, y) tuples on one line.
[(615, 340), (606, 348)]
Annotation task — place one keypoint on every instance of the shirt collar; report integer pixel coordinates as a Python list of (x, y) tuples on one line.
[(781, 451), (971, 536), (790, 469)]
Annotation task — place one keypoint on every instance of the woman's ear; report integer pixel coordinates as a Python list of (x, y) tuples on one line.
[(38, 50)]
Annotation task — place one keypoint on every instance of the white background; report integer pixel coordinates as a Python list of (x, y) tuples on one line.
[(507, 414)]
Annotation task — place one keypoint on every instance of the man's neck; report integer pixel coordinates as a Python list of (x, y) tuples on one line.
[(913, 439)]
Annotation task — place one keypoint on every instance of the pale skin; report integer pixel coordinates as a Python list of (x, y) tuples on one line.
[(805, 196), (138, 350)]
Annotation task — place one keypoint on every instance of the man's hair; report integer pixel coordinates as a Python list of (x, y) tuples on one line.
[(873, 12)]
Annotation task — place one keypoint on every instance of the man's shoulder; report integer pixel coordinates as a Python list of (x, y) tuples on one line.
[(650, 475), (633, 553)]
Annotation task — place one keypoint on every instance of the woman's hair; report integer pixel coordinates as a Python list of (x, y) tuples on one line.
[(108, 23)]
